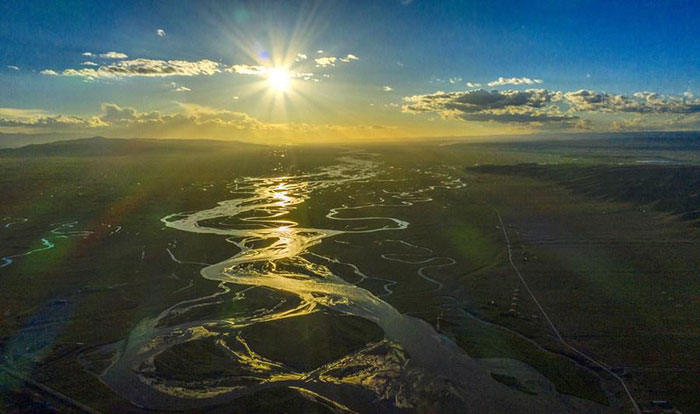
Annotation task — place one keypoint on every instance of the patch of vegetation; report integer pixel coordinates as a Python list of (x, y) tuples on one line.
[(480, 340), (307, 342), (668, 188), (512, 382)]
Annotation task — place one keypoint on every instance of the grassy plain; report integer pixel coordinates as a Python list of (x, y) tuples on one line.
[(608, 245)]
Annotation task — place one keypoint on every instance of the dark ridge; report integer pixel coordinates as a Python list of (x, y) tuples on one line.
[(100, 146), (673, 189), (16, 140), (643, 142), (670, 141)]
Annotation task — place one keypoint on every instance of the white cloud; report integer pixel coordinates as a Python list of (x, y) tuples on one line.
[(302, 75), (388, 89), (262, 71), (179, 88), (326, 61), (320, 52), (141, 67), (473, 85), (514, 81), (194, 115), (255, 70), (144, 67), (51, 122), (13, 67), (113, 55), (348, 58), (301, 57), (192, 121), (88, 54), (161, 32)]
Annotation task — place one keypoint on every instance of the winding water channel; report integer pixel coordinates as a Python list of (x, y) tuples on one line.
[(413, 365)]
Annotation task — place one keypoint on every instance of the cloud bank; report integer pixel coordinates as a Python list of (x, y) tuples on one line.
[(143, 67), (193, 121), (548, 108)]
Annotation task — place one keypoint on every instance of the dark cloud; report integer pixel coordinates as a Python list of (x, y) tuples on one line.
[(511, 106), (545, 107)]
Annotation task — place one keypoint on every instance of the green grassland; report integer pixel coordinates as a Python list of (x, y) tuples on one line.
[(92, 290), (611, 252)]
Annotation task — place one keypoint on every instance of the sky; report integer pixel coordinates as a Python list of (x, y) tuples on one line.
[(304, 71)]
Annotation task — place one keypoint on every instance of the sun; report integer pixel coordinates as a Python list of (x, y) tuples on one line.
[(278, 80)]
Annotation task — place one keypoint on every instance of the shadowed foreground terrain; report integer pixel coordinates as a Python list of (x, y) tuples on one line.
[(191, 276)]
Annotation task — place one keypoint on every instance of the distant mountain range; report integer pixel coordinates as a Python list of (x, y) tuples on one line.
[(20, 140), (97, 146), (67, 145)]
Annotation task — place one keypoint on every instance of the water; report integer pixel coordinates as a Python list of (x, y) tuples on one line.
[(412, 367)]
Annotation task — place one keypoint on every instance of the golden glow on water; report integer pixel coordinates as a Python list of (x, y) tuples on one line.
[(284, 265), (280, 193)]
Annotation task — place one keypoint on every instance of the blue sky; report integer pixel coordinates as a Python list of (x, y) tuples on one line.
[(418, 67)]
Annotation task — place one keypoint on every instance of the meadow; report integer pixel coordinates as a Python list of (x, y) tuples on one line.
[(608, 245)]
